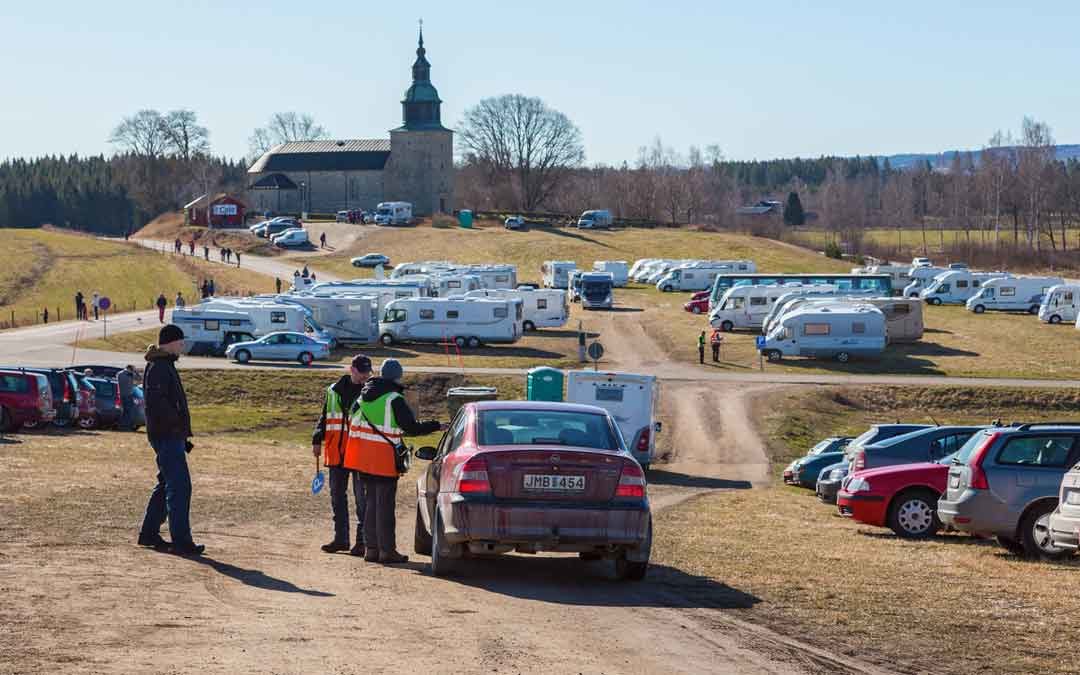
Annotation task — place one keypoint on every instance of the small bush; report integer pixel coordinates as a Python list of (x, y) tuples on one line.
[(832, 250)]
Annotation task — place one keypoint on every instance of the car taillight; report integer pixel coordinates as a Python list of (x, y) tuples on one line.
[(860, 461), (978, 476), (67, 390), (631, 482), (643, 441), (474, 477), (116, 397)]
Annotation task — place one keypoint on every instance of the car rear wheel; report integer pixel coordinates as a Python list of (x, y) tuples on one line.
[(773, 355), (694, 309), (441, 564), (32, 424), (305, 358), (727, 326), (935, 301), (387, 339), (1034, 309), (1035, 534), (666, 289), (843, 357), (913, 514), (87, 422), (421, 538), (630, 570), (979, 309), (243, 356), (528, 326), (1055, 319)]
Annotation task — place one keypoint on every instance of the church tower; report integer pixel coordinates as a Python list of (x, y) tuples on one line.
[(421, 165)]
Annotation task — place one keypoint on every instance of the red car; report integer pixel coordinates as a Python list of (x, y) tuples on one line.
[(532, 476), (902, 498), (25, 398), (86, 401), (699, 303)]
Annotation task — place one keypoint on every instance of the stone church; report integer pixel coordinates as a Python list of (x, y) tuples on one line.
[(415, 165)]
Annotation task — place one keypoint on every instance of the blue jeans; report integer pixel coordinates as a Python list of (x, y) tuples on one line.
[(171, 495), (339, 503)]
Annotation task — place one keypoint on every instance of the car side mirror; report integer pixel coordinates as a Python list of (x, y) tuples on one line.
[(426, 453), (658, 427)]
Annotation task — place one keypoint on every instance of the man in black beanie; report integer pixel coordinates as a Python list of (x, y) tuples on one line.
[(168, 426)]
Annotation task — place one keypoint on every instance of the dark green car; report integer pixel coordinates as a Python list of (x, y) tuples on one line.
[(804, 471)]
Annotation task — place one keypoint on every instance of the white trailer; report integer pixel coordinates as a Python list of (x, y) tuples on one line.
[(699, 276), (556, 273), (468, 322), (393, 213), (746, 306), (618, 269), (956, 286), (1012, 294), (266, 316), (919, 278), (349, 319), (541, 307), (631, 400), (1061, 303), (208, 332), (838, 331), (903, 316)]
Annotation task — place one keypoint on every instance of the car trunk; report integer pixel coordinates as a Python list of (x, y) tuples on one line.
[(555, 474), (959, 479)]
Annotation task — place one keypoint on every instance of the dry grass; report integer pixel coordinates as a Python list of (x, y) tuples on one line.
[(169, 226)]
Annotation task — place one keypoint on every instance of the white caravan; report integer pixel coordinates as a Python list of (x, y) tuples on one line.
[(1012, 294), (423, 267), (638, 264), (804, 293), (838, 331), (594, 219), (646, 267), (746, 306), (266, 316), (385, 289), (207, 332), (631, 400), (618, 269), (348, 318), (956, 286), (556, 273), (903, 316), (542, 307), (597, 291), (1060, 303), (919, 278), (468, 322), (446, 283), (393, 213), (492, 276), (699, 276), (898, 274)]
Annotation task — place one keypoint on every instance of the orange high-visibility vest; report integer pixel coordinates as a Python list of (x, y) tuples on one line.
[(335, 432), (366, 451)]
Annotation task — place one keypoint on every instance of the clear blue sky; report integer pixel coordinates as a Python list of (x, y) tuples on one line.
[(759, 79)]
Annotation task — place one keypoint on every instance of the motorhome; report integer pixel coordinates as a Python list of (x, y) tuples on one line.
[(786, 301), (919, 278), (899, 274), (266, 316), (631, 400), (839, 331), (492, 275), (348, 318), (1012, 294), (393, 213), (647, 267), (542, 307), (468, 322), (903, 316), (638, 264), (208, 332), (956, 286), (385, 289), (699, 276), (446, 283), (556, 273), (595, 219), (745, 307), (1060, 303), (618, 269), (597, 290), (424, 267)]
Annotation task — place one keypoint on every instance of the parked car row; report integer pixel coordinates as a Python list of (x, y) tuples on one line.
[(1019, 484), (33, 398)]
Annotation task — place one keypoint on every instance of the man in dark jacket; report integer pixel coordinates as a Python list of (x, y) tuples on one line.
[(168, 426), (331, 433), (161, 303)]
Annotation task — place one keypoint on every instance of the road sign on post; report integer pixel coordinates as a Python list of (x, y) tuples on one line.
[(596, 352), (104, 304)]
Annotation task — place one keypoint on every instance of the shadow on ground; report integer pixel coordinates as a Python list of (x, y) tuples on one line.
[(658, 476), (257, 578), (572, 235), (909, 359)]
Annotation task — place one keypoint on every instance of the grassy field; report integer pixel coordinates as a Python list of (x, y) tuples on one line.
[(911, 240), (950, 604)]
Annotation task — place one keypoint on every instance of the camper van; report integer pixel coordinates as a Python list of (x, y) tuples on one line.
[(919, 278), (956, 286), (468, 322), (618, 269), (542, 307), (646, 268), (266, 316), (1060, 304), (385, 289), (638, 264), (839, 331), (699, 276), (393, 213), (209, 332), (903, 316), (491, 275), (349, 319), (591, 220), (803, 294), (631, 400), (597, 291), (1012, 294), (556, 273), (424, 267), (746, 306), (446, 283)]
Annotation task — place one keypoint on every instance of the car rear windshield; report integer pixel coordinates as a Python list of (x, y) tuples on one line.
[(819, 448), (545, 427), (104, 388), (961, 456)]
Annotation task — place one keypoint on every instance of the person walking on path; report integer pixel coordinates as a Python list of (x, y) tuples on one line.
[(305, 273), (378, 421), (210, 285), (328, 439), (161, 303), (238, 258), (322, 240), (206, 252), (125, 382), (701, 348), (204, 289), (714, 340), (176, 245), (95, 302), (78, 304), (179, 302), (191, 248), (277, 284), (168, 427), (45, 314)]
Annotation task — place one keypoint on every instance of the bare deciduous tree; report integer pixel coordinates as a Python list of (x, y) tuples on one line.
[(145, 134), (285, 127), (186, 137)]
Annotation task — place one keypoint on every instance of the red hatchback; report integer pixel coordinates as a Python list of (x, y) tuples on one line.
[(532, 476), (699, 303), (25, 398), (902, 497)]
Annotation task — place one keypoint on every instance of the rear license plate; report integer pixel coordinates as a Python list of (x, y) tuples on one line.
[(554, 483), (954, 482)]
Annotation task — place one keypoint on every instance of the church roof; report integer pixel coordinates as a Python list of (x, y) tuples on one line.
[(361, 154)]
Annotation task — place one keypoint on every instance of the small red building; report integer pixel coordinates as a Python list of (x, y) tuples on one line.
[(225, 211)]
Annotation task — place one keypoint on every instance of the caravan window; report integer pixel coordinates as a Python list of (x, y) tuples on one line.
[(742, 268), (451, 314), (858, 327), (452, 284), (758, 302), (403, 294), (501, 313), (212, 324), (502, 278), (277, 317), (974, 283), (1008, 291), (897, 310), (609, 394), (395, 315), (733, 303), (816, 329), (1069, 297), (427, 314), (961, 283), (541, 303), (234, 322)]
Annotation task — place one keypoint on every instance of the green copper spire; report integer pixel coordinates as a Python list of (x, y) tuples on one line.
[(420, 108)]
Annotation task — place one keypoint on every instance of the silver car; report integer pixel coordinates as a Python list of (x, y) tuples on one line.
[(1065, 520), (280, 346), (1004, 483)]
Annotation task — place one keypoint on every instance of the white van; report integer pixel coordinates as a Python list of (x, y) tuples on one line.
[(919, 278), (838, 331), (618, 269), (597, 291), (266, 316), (349, 319), (1060, 303), (542, 307), (956, 286), (631, 400), (556, 273), (699, 276), (209, 332), (594, 219), (468, 322), (1012, 294), (393, 213), (747, 306)]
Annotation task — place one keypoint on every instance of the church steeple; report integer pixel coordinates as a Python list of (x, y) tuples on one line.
[(421, 107)]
